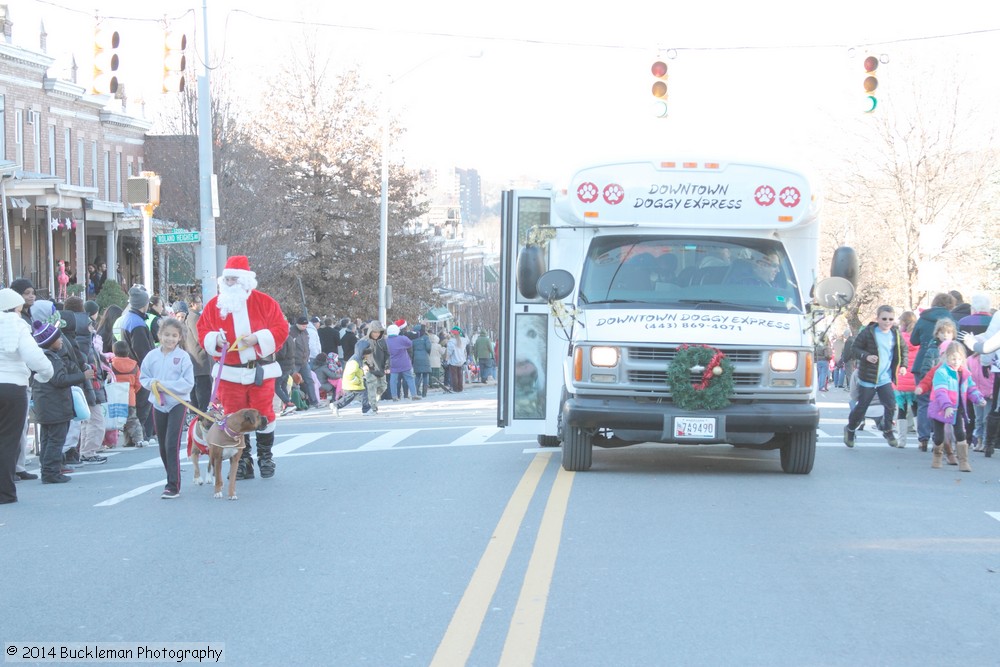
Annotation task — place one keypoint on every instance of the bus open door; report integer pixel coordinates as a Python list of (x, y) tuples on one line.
[(531, 352)]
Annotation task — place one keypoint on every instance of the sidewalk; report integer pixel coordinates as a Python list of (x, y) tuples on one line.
[(434, 396)]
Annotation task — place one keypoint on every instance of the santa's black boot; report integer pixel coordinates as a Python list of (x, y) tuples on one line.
[(264, 443), (245, 468), (992, 435)]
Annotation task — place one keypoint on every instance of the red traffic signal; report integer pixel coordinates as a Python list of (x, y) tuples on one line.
[(871, 81)]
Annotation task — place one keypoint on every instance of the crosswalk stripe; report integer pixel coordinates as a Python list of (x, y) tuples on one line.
[(476, 436), (291, 444), (388, 440), (130, 494)]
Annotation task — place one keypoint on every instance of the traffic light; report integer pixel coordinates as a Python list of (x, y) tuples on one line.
[(106, 43), (871, 83), (174, 61), (659, 70)]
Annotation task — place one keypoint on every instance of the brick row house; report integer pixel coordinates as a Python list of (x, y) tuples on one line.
[(65, 158)]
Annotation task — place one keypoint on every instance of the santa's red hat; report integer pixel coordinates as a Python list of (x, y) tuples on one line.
[(400, 323), (238, 266)]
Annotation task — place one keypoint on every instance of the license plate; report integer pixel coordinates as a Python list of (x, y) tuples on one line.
[(694, 427)]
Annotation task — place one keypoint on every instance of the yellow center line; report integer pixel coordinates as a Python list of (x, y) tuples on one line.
[(463, 630), (526, 624)]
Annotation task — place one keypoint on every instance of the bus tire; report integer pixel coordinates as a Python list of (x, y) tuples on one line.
[(577, 449), (548, 441), (798, 452)]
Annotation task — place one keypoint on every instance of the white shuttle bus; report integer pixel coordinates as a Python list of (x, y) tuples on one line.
[(668, 301)]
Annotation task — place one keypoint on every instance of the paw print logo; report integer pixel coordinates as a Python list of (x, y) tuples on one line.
[(587, 193), (614, 194), (790, 197), (764, 195)]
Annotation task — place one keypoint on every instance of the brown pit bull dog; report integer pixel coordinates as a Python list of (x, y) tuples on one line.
[(224, 439)]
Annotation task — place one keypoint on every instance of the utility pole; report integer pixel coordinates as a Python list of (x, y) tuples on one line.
[(209, 270)]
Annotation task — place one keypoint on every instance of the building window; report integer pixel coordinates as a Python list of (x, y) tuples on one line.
[(36, 137), (79, 161), (19, 138), (93, 164), (52, 150), (118, 176), (107, 176), (68, 152), (3, 132)]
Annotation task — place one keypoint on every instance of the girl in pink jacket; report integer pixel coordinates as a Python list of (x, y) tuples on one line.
[(952, 386)]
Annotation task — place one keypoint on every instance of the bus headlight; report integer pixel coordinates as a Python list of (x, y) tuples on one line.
[(604, 357), (784, 362)]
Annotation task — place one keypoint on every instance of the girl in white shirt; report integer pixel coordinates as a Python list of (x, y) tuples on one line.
[(169, 367)]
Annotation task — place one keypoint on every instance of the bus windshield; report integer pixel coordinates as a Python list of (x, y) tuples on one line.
[(689, 272)]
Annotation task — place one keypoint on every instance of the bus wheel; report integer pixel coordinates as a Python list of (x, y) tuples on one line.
[(548, 441), (798, 451), (578, 447)]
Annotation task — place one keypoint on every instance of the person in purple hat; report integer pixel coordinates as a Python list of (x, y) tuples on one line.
[(53, 402)]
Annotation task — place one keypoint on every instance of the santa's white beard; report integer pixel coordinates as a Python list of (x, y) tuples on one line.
[(232, 299)]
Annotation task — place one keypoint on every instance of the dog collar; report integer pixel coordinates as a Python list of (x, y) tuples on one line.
[(235, 435)]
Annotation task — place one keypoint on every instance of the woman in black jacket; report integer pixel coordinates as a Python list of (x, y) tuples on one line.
[(923, 336), (105, 327)]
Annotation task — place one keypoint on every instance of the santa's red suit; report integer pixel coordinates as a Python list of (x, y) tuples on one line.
[(248, 373)]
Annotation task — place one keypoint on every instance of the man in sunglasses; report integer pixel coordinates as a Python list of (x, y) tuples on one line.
[(881, 354), (760, 271)]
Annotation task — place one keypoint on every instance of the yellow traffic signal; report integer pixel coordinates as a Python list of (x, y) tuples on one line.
[(659, 70), (174, 61), (106, 61)]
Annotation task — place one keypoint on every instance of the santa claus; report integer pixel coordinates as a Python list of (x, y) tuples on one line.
[(245, 327)]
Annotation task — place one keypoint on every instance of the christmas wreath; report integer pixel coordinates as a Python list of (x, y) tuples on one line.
[(712, 392)]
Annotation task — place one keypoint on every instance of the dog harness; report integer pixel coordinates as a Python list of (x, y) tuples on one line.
[(237, 437)]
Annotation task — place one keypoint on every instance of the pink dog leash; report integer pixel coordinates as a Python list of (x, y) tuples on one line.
[(218, 376)]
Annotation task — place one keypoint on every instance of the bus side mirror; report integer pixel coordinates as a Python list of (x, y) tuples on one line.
[(555, 284), (845, 264), (530, 267)]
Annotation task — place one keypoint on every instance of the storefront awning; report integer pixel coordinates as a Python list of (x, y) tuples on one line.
[(441, 314)]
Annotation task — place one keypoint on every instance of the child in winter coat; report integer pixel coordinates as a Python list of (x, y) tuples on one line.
[(126, 369), (169, 368), (951, 387), (944, 332), (53, 401), (353, 380), (329, 373), (906, 403), (297, 393)]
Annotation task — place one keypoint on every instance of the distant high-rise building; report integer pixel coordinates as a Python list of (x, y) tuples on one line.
[(470, 195)]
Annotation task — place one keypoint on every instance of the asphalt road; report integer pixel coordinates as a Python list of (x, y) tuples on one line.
[(425, 535)]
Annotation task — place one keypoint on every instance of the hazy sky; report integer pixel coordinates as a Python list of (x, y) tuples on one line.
[(560, 84)]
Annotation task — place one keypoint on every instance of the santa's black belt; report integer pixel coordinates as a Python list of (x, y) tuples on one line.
[(255, 362)]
